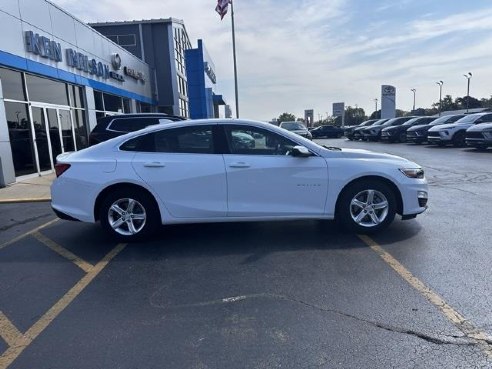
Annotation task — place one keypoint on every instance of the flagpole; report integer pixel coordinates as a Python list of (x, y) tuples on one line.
[(234, 55)]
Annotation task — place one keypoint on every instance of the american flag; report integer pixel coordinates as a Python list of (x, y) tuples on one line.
[(221, 7)]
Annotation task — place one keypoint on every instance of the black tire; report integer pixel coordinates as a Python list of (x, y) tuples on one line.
[(459, 139), (403, 137), (144, 206), (348, 212)]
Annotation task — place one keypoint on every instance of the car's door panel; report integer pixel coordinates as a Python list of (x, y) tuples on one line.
[(276, 184), (190, 184)]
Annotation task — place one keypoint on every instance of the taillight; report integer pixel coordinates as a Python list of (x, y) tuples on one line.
[(60, 168)]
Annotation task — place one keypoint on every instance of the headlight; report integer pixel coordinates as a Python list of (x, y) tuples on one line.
[(413, 172), (487, 134), (444, 133)]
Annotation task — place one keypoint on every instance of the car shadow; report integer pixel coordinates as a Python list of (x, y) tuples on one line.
[(255, 240)]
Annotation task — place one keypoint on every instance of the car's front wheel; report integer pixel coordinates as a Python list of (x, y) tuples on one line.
[(129, 214), (366, 206)]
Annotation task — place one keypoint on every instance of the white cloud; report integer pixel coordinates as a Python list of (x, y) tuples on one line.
[(296, 55)]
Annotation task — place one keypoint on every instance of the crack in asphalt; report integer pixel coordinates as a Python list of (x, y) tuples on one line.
[(462, 340), (24, 221)]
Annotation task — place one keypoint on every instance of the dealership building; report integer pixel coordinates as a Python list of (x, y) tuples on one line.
[(58, 75)]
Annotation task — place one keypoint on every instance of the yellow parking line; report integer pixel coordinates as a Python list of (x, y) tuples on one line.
[(23, 342), (82, 264), (3, 245), (464, 325), (8, 331)]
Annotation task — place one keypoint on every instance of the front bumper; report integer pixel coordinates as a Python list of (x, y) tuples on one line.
[(478, 142)]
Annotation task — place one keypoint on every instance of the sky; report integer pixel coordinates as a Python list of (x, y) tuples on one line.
[(294, 55)]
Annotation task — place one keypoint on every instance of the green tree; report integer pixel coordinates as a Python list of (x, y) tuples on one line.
[(286, 117), (353, 116), (472, 102), (486, 103)]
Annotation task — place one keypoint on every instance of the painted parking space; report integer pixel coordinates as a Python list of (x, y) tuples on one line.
[(255, 293)]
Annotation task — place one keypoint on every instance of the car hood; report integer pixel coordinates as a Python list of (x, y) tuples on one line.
[(449, 126), (480, 127), (370, 155)]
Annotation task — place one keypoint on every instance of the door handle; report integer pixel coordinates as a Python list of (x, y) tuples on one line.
[(239, 164), (154, 164)]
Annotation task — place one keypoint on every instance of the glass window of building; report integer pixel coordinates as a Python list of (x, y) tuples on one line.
[(12, 84), (21, 139), (46, 90), (127, 105), (112, 103), (98, 99)]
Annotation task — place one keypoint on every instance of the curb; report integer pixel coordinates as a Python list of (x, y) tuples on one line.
[(16, 201)]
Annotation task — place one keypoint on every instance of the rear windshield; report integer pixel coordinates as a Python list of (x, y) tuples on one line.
[(292, 125)]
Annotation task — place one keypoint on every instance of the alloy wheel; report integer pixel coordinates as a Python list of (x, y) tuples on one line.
[(127, 216), (369, 208)]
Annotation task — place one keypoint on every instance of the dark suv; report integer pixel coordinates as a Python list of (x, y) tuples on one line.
[(117, 125)]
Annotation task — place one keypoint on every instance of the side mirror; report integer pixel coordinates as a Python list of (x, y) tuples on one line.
[(300, 151)]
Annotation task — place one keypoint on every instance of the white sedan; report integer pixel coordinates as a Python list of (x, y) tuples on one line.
[(198, 171)]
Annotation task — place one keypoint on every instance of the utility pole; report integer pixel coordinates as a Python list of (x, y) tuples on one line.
[(468, 77), (413, 90), (440, 83), (376, 101)]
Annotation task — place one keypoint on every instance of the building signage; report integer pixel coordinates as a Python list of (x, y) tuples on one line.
[(210, 72), (135, 74), (388, 101), (82, 62), (43, 46), (50, 49)]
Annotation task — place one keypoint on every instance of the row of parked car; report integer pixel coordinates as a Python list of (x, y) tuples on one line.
[(474, 130)]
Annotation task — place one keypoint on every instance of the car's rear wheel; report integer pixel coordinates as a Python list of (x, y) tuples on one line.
[(366, 206), (129, 215)]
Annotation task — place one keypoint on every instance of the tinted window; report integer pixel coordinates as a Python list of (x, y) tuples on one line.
[(196, 140), (98, 100), (46, 90), (112, 103), (256, 141), (292, 126), (131, 125), (12, 84)]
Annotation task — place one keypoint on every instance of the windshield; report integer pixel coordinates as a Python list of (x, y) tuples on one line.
[(411, 122), (469, 119), (446, 119), (291, 126)]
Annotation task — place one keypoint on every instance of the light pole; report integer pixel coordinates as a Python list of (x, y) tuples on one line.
[(413, 90), (468, 77), (440, 83), (376, 101)]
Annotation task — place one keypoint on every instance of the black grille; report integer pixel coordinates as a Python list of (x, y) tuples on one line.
[(422, 202), (433, 134), (474, 135), (411, 134)]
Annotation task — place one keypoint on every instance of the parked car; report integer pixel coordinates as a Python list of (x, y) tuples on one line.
[(189, 172), (327, 131), (358, 132), (455, 133), (117, 125), (349, 131), (479, 136), (418, 134), (399, 133), (373, 133), (297, 128)]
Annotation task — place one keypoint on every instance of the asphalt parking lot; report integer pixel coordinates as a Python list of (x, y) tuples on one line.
[(258, 295)]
